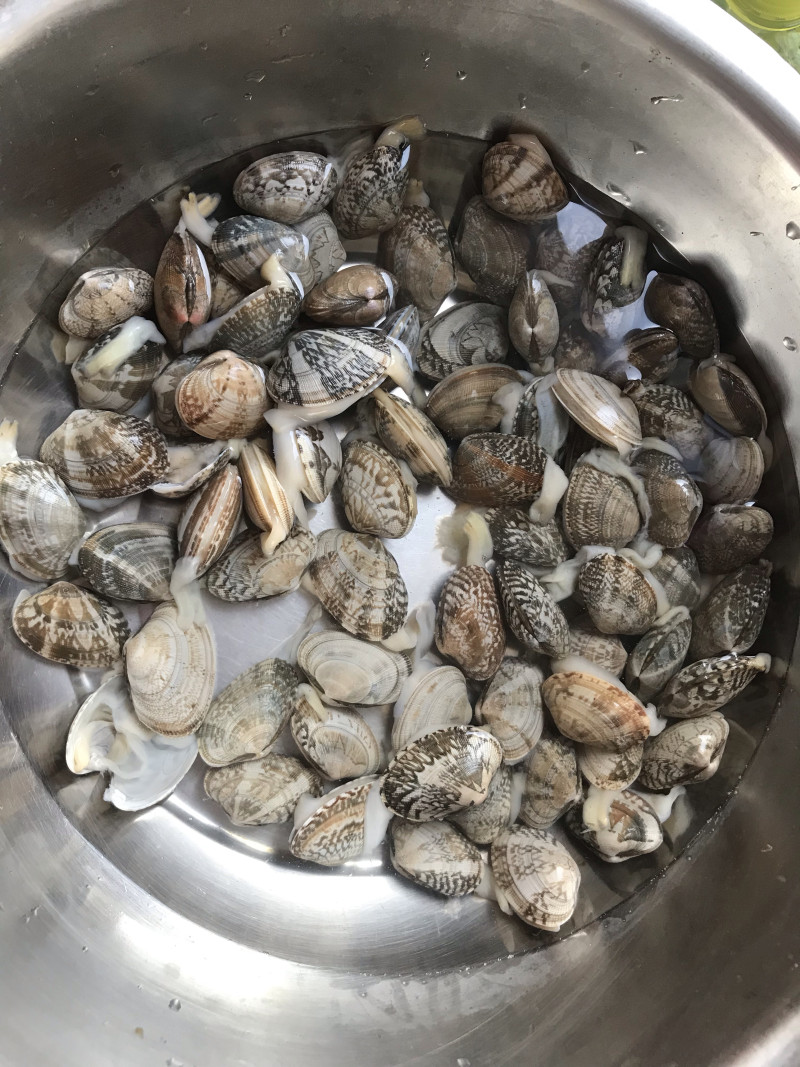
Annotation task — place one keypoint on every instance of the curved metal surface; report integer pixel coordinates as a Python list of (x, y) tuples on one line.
[(700, 967)]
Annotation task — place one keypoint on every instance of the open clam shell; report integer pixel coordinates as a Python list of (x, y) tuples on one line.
[(497, 469), (245, 573), (616, 825), (615, 278), (183, 288), (709, 684), (258, 325), (727, 536), (68, 625), (410, 435), (264, 497), (617, 595), (599, 408), (463, 403), (224, 396), (464, 335), (418, 252), (670, 414), (535, 877), (343, 825), (519, 179), (378, 495), (357, 295), (337, 742), (531, 613), (731, 617), (511, 708), (350, 671), (286, 186), (435, 855), (593, 707), (119, 368), (653, 352), (493, 250), (325, 251), (684, 753), (657, 656), (103, 298), (683, 306), (469, 627), (191, 465), (552, 784), (261, 791), (130, 560)]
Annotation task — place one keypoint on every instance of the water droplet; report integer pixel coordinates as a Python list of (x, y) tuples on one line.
[(790, 343), (674, 99), (638, 149), (248, 96), (362, 993), (255, 76), (756, 233), (404, 982), (92, 90), (793, 231), (523, 101), (585, 68), (114, 171), (426, 59), (284, 29), (461, 75), (209, 118), (85, 948), (172, 1062), (175, 1004), (462, 1061), (204, 46), (619, 194)]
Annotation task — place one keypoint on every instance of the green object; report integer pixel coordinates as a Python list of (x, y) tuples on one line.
[(776, 21)]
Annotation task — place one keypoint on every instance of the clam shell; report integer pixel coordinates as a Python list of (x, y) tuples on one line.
[(210, 518), (435, 855), (605, 650), (576, 350), (511, 708), (552, 783), (570, 261), (492, 249), (258, 325), (165, 414), (358, 582), (183, 288), (225, 292), (727, 536), (657, 656), (40, 521), (732, 469), (410, 435), (244, 720), (589, 709), (533, 320), (129, 560), (103, 298), (418, 252), (684, 753), (344, 825), (287, 186), (674, 498), (464, 335), (325, 251), (245, 573), (119, 368), (617, 595), (679, 576), (261, 791), (347, 670), (469, 627), (482, 824), (244, 243), (223, 397), (319, 456), (607, 769), (191, 465), (495, 469), (731, 617), (463, 402), (599, 508), (357, 295), (531, 613), (440, 773), (726, 394), (615, 278), (653, 352), (536, 875), (631, 828), (516, 536), (666, 412), (337, 742), (683, 306), (101, 454), (171, 672), (378, 496), (704, 686), (519, 180), (436, 699), (68, 625), (370, 196), (264, 498), (404, 325), (599, 408)]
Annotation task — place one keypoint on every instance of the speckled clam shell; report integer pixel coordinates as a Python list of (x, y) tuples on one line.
[(122, 384), (653, 352), (615, 278), (210, 518), (633, 830), (245, 573), (358, 582), (731, 470), (683, 306), (684, 753), (469, 627), (191, 464), (483, 823), (731, 617), (492, 249), (244, 243), (709, 684), (533, 324), (536, 875), (287, 186), (599, 408), (164, 387), (225, 292), (674, 498), (40, 521), (591, 710), (410, 435), (464, 335), (171, 672), (510, 708), (599, 508), (325, 251), (68, 625), (679, 576), (259, 324), (101, 454), (617, 595), (576, 350), (658, 655), (440, 773), (320, 455), (130, 560), (183, 288), (531, 613), (519, 180), (607, 769), (439, 699), (552, 783), (670, 414), (261, 791), (357, 295), (104, 297), (516, 536), (335, 831), (569, 261), (347, 670), (245, 719), (224, 396), (337, 742), (463, 402), (496, 469), (378, 496), (727, 536), (404, 325), (605, 650), (725, 393), (264, 498), (435, 855), (370, 195), (418, 253)]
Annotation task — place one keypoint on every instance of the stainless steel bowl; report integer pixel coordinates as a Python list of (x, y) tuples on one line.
[(161, 939)]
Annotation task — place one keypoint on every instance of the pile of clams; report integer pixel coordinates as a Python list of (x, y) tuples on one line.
[(608, 581)]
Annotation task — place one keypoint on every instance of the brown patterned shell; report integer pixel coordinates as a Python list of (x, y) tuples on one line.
[(258, 325), (117, 371), (679, 576), (591, 710), (511, 708), (68, 625), (516, 536), (633, 828), (418, 253), (410, 435), (617, 595), (378, 496), (286, 186), (103, 298), (496, 469), (370, 195), (223, 397), (709, 684), (337, 742), (130, 560), (536, 875), (165, 414), (357, 295), (244, 243), (469, 627), (210, 518), (245, 573), (262, 791), (552, 783), (605, 650), (731, 617), (727, 536), (731, 470), (463, 402), (532, 615), (519, 180), (464, 335), (335, 831), (685, 753), (607, 769), (653, 352), (599, 408), (325, 251), (725, 393), (493, 250), (657, 656), (483, 822), (183, 288), (669, 413), (674, 498), (435, 855), (683, 306), (599, 508)]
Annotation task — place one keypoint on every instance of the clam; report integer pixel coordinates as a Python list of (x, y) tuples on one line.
[(511, 708), (325, 251), (599, 408), (411, 436), (171, 672), (674, 498), (602, 503), (464, 335), (552, 783), (358, 582), (441, 773), (403, 325), (343, 825), (678, 576), (349, 671), (357, 295), (119, 368), (535, 877), (590, 705), (225, 292), (435, 855), (164, 387), (493, 250), (243, 244), (576, 350), (516, 536), (537, 415), (617, 595), (40, 521), (727, 536), (616, 825), (731, 617), (261, 791), (224, 396), (287, 186), (683, 306), (726, 394), (191, 465), (431, 699), (684, 753), (704, 686), (245, 573), (69, 625), (531, 613), (605, 650), (533, 321), (208, 521), (670, 414), (103, 298), (264, 499), (378, 491), (615, 278), (658, 655), (337, 742), (653, 352), (566, 253), (308, 461), (731, 470), (482, 824), (183, 288), (244, 720), (519, 179), (496, 469), (129, 560), (102, 455), (464, 402), (607, 769), (370, 195)]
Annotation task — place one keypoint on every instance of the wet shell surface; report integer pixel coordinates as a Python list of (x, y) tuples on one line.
[(370, 196), (418, 253), (245, 573), (483, 823), (435, 855), (726, 394), (337, 742), (261, 791), (325, 251), (533, 320), (119, 368), (225, 292), (704, 686), (463, 402), (731, 617), (531, 613), (103, 298), (684, 753), (183, 288), (599, 408), (606, 650), (258, 325), (287, 186), (589, 708), (437, 699), (245, 719), (674, 498), (653, 352), (130, 560), (345, 824), (165, 414), (657, 656), (670, 414), (617, 595), (469, 627), (410, 435), (616, 826), (519, 180), (516, 536), (725, 537), (244, 243), (552, 783), (440, 773), (378, 495), (358, 582), (607, 769), (264, 497), (357, 295), (347, 670), (615, 278), (683, 306), (68, 625), (511, 708), (535, 877), (191, 465), (464, 335), (679, 576), (496, 469), (599, 507), (576, 349), (493, 250), (209, 519), (223, 397), (731, 470), (404, 325), (319, 456)]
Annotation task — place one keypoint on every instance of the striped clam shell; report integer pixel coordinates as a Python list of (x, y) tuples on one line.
[(357, 295), (599, 508), (68, 625), (378, 495), (437, 699), (707, 685), (569, 262), (370, 195), (261, 791), (531, 613), (731, 617), (319, 454), (464, 335), (225, 292), (183, 288), (344, 825), (679, 576), (191, 465), (404, 325), (658, 655), (337, 742), (632, 828), (535, 876), (496, 469), (129, 560), (264, 498), (615, 278), (463, 402), (165, 414), (257, 326), (684, 753), (418, 252), (519, 180), (469, 627), (103, 298), (674, 498), (653, 352), (510, 708), (286, 186), (120, 367), (492, 249), (224, 396), (589, 709), (606, 650), (435, 855), (245, 573), (617, 595), (347, 670), (325, 251), (672, 415), (410, 435), (607, 769), (245, 719), (731, 470), (552, 783), (209, 519), (599, 408), (484, 822), (727, 536), (683, 306), (516, 536), (243, 244)]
